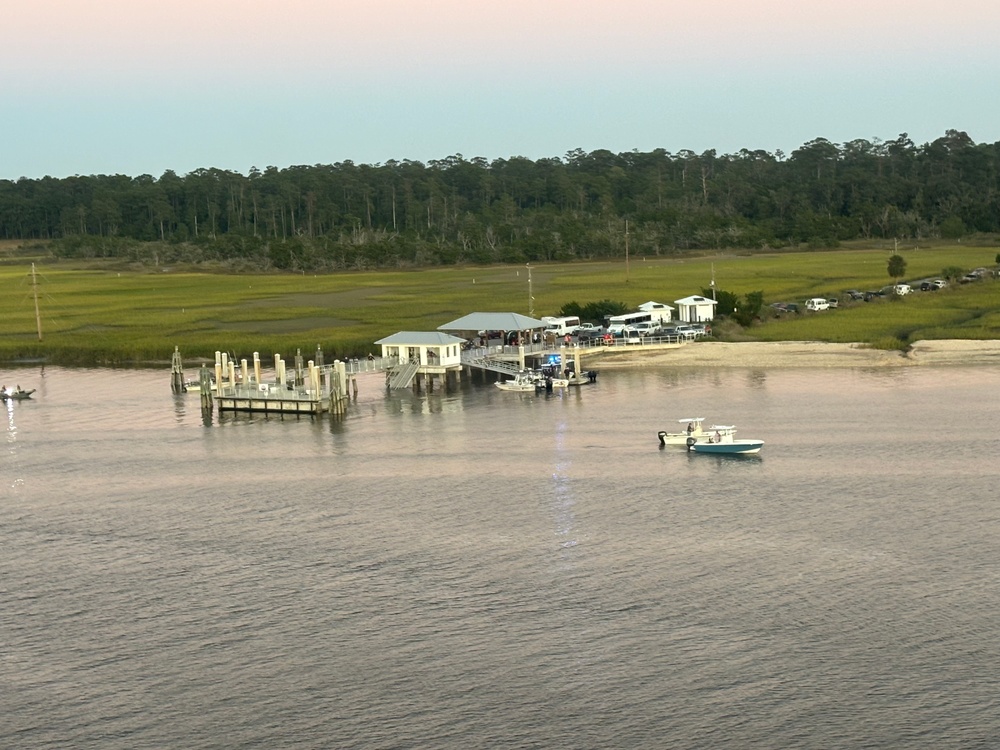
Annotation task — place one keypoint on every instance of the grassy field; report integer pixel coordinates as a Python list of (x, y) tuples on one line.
[(101, 315)]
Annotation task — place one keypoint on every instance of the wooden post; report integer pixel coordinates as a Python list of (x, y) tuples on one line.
[(256, 367), (205, 380), (177, 372)]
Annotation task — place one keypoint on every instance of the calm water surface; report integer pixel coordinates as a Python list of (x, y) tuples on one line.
[(482, 569)]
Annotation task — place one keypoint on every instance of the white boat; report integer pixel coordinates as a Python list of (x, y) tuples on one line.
[(691, 430), (528, 380), (194, 386), (587, 377), (525, 380), (721, 440)]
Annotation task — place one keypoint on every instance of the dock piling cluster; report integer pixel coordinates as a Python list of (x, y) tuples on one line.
[(311, 388)]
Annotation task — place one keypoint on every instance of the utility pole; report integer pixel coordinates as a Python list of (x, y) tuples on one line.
[(626, 251), (531, 298), (34, 290)]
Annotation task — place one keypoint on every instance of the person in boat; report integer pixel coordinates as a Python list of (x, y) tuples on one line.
[(718, 436), (690, 427), (18, 389)]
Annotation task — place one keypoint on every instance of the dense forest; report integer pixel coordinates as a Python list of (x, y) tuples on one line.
[(457, 210)]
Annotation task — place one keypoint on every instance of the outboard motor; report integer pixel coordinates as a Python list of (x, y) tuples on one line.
[(662, 435)]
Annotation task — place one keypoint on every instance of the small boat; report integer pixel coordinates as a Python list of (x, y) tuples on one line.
[(525, 380), (721, 441), (692, 430), (194, 386), (15, 395), (528, 381), (587, 377)]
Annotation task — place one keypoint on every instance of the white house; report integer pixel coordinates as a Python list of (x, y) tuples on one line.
[(695, 309), (661, 313), (436, 353)]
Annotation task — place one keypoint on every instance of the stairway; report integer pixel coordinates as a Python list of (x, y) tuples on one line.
[(401, 376)]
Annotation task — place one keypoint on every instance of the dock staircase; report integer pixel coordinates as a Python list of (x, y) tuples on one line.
[(401, 376)]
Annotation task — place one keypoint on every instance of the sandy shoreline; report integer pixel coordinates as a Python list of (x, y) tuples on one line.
[(800, 354)]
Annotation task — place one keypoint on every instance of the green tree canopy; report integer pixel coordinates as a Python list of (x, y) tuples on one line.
[(897, 266)]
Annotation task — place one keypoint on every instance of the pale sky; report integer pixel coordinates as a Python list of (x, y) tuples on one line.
[(135, 87)]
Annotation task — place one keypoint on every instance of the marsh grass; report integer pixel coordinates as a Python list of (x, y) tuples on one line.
[(107, 316)]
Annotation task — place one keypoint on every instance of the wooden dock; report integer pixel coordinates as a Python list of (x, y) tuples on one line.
[(310, 388)]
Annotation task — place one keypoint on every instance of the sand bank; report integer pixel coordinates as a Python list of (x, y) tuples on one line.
[(799, 354)]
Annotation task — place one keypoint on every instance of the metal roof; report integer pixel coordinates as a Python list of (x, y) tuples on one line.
[(695, 300), (493, 321), (420, 338)]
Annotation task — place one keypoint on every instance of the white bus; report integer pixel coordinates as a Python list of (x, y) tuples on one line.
[(561, 326), (618, 323)]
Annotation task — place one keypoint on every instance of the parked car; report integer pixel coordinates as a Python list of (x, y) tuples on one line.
[(816, 304), (684, 333), (689, 331), (900, 289), (873, 294), (647, 328), (833, 302), (590, 334), (631, 336), (589, 327), (854, 294)]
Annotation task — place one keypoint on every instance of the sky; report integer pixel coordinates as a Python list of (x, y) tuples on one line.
[(133, 88)]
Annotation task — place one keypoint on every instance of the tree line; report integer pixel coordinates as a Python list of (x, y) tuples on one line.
[(515, 210)]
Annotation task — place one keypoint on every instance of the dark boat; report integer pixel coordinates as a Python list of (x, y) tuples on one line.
[(15, 395)]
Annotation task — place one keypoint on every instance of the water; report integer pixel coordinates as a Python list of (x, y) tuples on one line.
[(485, 569)]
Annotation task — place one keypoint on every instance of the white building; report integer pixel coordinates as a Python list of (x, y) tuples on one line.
[(660, 312), (695, 309), (435, 353)]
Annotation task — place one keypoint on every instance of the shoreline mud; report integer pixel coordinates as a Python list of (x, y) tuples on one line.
[(812, 354)]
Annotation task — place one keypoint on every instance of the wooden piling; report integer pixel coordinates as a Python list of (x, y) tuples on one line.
[(177, 372)]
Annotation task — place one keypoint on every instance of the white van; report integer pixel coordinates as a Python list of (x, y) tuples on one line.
[(647, 328), (561, 326), (816, 304)]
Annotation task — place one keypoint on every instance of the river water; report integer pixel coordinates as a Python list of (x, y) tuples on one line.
[(485, 569)]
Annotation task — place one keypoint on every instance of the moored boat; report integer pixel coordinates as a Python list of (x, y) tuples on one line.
[(721, 440), (525, 380), (529, 380)]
